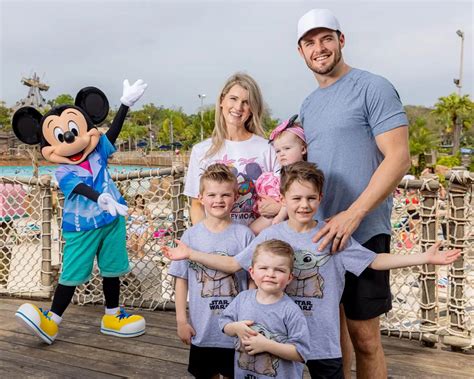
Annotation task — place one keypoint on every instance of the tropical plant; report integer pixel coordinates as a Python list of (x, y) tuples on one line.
[(421, 139), (455, 113), (5, 117), (449, 160), (132, 132), (63, 99)]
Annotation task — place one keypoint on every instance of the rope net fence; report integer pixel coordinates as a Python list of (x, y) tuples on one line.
[(433, 303), (430, 304)]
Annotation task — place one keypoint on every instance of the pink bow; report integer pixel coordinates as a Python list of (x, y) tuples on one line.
[(278, 130), (288, 125)]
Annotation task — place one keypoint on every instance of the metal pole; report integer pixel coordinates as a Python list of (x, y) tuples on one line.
[(460, 33), (171, 132), (149, 133), (202, 97)]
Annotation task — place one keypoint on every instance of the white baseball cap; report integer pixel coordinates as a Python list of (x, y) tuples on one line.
[(317, 18)]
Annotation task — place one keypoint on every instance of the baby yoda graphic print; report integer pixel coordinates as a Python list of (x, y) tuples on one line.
[(307, 281), (215, 283), (262, 363)]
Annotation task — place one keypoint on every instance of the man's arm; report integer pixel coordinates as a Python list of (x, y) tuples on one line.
[(431, 256), (197, 211), (217, 262), (394, 146)]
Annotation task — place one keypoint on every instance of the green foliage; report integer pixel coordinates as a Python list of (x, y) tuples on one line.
[(421, 139), (269, 123), (5, 117), (455, 113), (449, 160), (415, 112), (63, 99), (132, 132)]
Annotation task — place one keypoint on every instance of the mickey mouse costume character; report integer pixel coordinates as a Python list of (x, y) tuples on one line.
[(93, 222)]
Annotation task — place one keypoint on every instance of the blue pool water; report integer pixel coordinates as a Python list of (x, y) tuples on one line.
[(27, 171)]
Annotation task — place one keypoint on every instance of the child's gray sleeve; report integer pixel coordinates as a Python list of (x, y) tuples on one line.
[(298, 333), (356, 258), (249, 237), (230, 314)]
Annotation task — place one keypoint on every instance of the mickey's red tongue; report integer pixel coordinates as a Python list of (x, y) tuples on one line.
[(76, 157)]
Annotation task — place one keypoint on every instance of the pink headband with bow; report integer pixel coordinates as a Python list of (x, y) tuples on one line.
[(287, 126)]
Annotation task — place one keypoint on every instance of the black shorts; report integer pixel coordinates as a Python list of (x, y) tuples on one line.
[(368, 296), (205, 362), (325, 368)]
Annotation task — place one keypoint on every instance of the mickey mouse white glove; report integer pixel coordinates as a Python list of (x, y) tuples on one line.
[(132, 93), (107, 203)]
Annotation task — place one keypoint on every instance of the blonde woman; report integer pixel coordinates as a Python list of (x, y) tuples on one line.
[(237, 141)]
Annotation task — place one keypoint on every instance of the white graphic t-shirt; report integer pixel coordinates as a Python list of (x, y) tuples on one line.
[(247, 159)]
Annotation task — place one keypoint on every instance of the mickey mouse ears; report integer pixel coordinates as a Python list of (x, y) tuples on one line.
[(26, 125), (94, 102)]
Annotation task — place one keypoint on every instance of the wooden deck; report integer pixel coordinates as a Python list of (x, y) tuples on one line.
[(80, 351)]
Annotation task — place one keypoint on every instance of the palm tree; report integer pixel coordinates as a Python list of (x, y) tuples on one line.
[(454, 111), (421, 141)]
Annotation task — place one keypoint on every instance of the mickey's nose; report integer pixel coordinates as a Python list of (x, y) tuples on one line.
[(69, 137)]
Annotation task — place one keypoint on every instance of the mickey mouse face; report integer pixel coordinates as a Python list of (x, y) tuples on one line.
[(66, 133), (68, 137)]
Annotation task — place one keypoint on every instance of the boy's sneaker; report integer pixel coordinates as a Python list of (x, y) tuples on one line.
[(38, 321), (123, 324)]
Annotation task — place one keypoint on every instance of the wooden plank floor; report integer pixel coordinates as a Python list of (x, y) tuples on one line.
[(80, 351)]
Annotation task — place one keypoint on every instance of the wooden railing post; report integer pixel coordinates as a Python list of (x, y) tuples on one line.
[(46, 219), (177, 199), (428, 304), (459, 191)]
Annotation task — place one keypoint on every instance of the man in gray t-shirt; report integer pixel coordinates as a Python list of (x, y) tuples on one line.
[(356, 130)]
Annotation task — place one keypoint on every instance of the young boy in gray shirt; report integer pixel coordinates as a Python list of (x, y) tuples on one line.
[(273, 337), (210, 291), (318, 275)]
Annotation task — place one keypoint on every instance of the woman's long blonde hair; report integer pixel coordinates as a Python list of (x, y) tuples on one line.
[(253, 124)]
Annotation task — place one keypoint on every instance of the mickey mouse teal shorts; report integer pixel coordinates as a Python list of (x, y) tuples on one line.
[(107, 243)]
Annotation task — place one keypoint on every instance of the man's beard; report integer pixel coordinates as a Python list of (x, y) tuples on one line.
[(328, 69)]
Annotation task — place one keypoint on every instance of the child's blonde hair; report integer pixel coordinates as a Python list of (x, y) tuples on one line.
[(217, 172), (277, 247)]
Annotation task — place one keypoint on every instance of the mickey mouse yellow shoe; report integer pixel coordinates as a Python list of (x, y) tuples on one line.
[(123, 324), (37, 321)]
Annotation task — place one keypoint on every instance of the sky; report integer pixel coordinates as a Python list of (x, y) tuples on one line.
[(186, 48)]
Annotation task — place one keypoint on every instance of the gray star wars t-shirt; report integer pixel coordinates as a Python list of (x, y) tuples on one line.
[(211, 291), (282, 322), (318, 282)]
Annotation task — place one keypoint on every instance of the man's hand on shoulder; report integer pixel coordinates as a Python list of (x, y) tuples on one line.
[(338, 230)]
